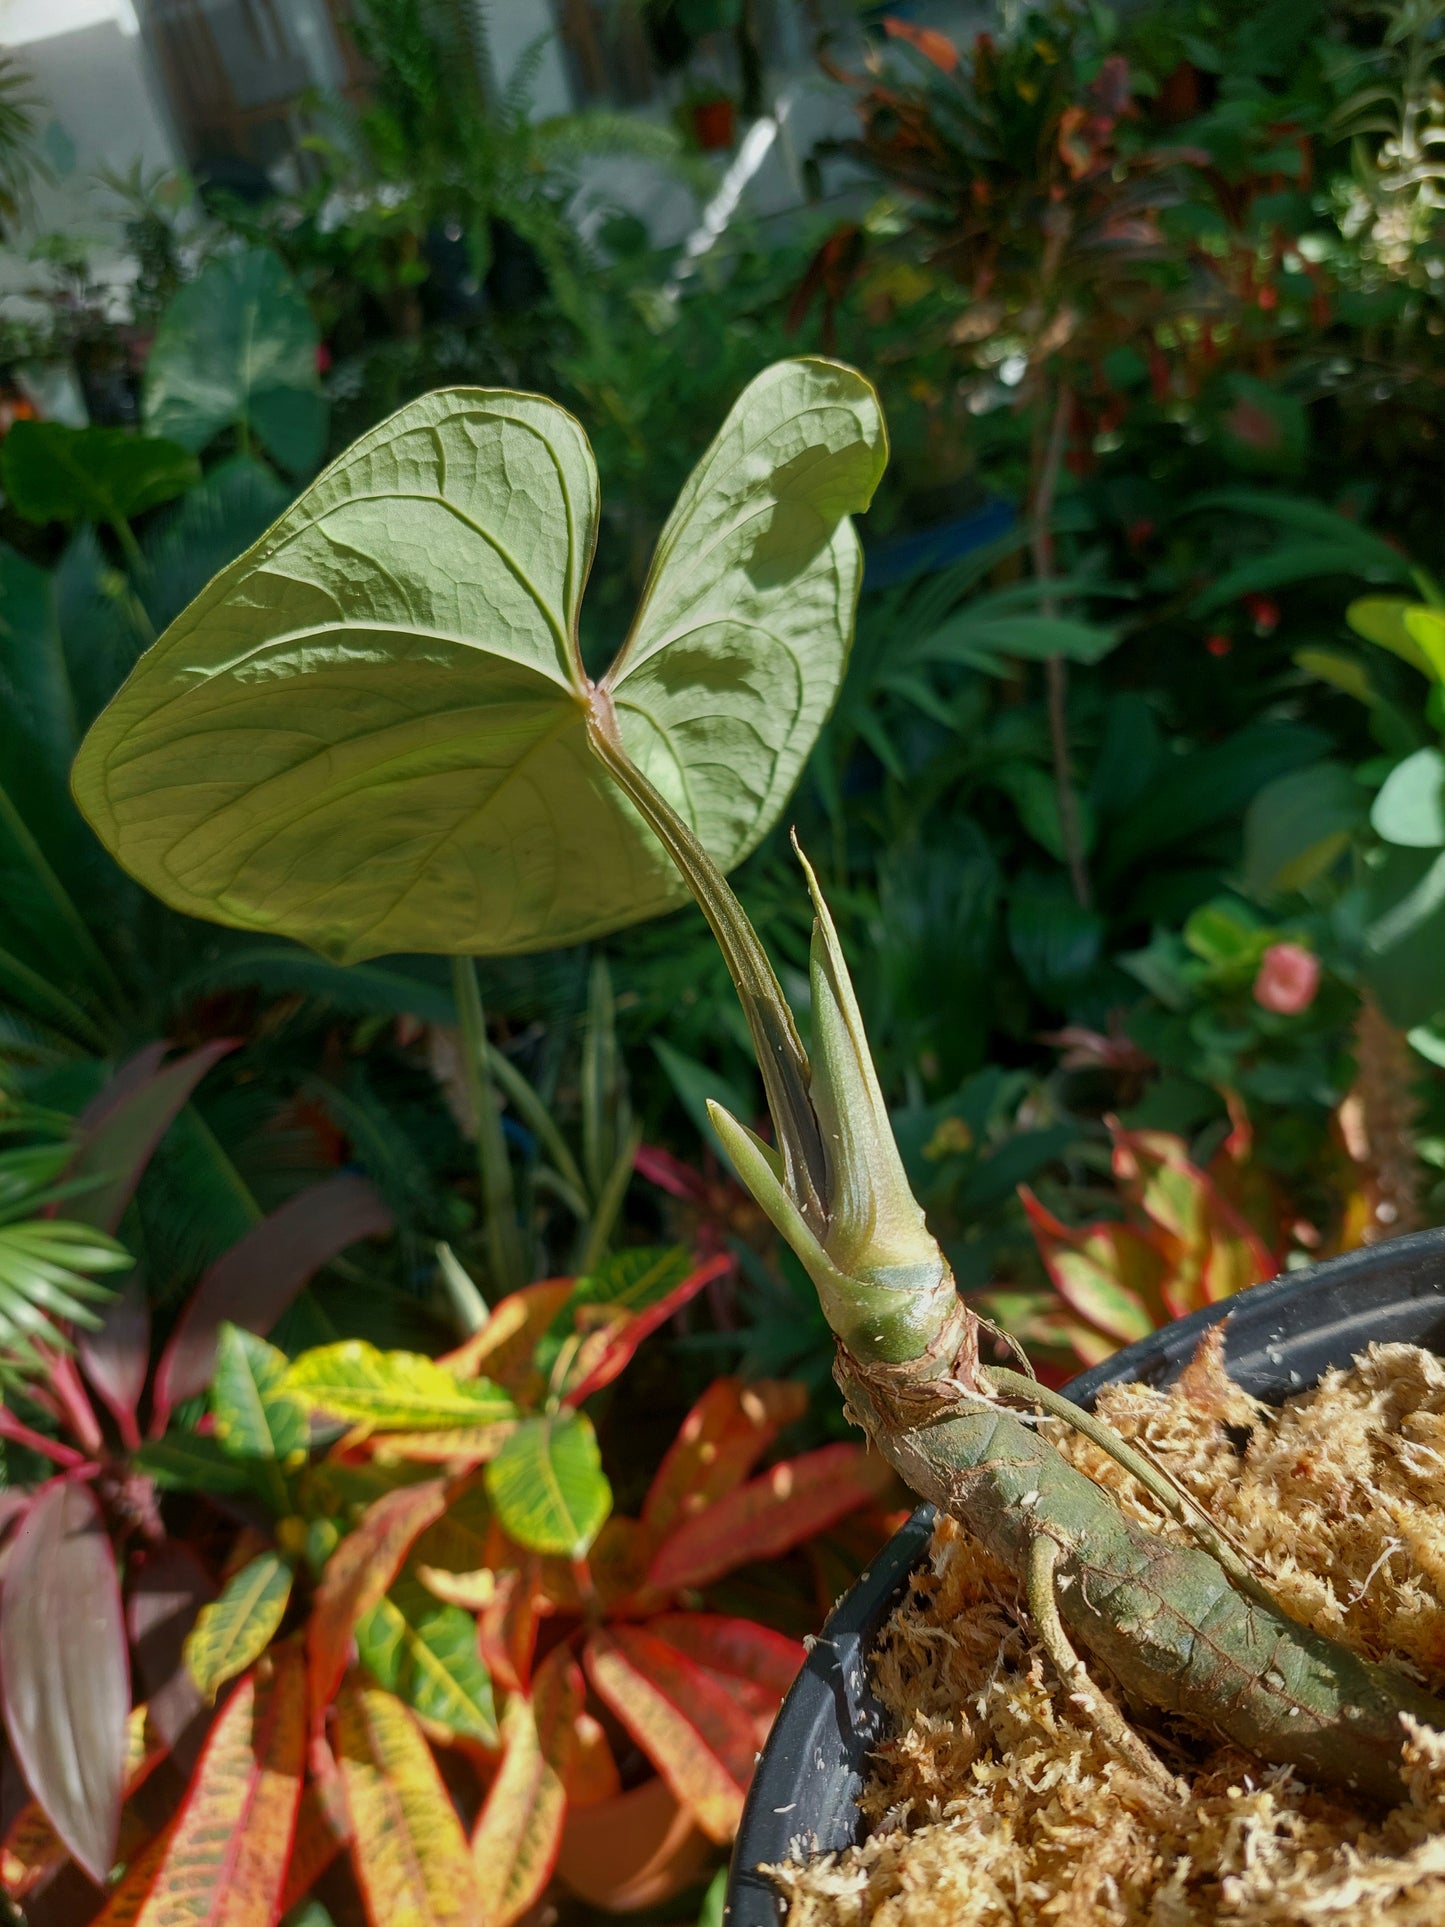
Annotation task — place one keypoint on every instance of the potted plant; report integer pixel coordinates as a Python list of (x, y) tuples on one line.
[(374, 732)]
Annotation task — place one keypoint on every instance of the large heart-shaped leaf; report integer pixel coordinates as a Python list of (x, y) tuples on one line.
[(371, 731), (56, 474), (237, 347)]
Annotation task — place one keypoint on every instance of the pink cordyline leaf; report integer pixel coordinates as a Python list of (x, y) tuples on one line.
[(117, 1357), (118, 1131), (65, 1670), (253, 1283)]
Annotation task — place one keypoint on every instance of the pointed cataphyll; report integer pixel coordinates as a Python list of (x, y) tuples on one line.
[(374, 732)]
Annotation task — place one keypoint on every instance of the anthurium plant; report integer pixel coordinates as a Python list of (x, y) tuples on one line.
[(375, 729)]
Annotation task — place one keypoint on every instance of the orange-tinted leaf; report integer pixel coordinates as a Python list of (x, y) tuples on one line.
[(461, 1450), (719, 1442), (684, 1718), (592, 1775), (507, 1625), (357, 1576), (132, 1890), (225, 1863), (1109, 1273), (769, 1515), (503, 1347), (407, 1846), (514, 1847), (32, 1850), (619, 1350), (322, 1830), (756, 1664), (933, 45)]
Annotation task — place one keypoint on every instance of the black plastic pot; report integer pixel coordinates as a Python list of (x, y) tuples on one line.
[(1278, 1338)]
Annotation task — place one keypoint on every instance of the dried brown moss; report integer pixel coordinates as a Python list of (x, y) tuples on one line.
[(995, 1804)]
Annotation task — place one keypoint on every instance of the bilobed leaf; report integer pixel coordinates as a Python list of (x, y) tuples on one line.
[(718, 1444), (769, 1515), (233, 1631), (358, 1574), (56, 474), (225, 1862), (392, 1391), (547, 1484), (253, 1418), (253, 1283), (408, 1848), (515, 1844), (687, 1721), (238, 345), (426, 1653), (370, 732), (65, 1669)]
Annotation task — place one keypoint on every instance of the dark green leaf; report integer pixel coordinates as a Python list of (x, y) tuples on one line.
[(57, 474)]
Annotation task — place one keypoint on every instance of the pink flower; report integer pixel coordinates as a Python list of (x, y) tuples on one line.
[(1289, 976)]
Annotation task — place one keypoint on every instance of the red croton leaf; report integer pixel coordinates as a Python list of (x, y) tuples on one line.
[(685, 1718), (719, 1442), (224, 1864), (519, 1834), (65, 1669), (623, 1348), (253, 1283), (933, 45), (753, 1662), (769, 1515), (323, 1830), (1110, 1273), (503, 1348), (358, 1575)]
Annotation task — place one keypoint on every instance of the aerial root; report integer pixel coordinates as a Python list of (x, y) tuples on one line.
[(1105, 1718)]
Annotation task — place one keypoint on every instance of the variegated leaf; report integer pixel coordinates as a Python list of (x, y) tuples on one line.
[(236, 1628), (515, 1845), (408, 1849)]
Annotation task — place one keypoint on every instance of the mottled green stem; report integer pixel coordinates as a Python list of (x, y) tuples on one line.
[(1164, 1620)]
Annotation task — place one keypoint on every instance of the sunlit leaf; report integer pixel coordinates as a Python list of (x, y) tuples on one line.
[(548, 1486), (516, 1841), (233, 1631), (370, 732), (408, 1848), (253, 1417), (1109, 1273), (225, 1862), (323, 1830), (426, 1653), (718, 1444), (756, 1664), (65, 1669), (392, 1391), (358, 1574), (769, 1515), (623, 1285), (688, 1722)]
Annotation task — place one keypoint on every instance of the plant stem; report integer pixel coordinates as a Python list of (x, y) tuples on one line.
[(494, 1168), (1048, 458)]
